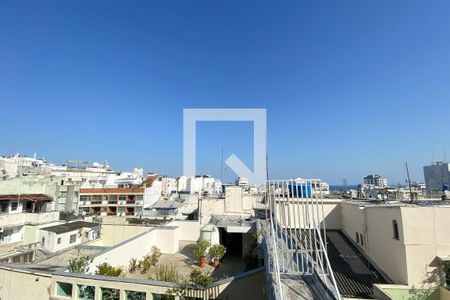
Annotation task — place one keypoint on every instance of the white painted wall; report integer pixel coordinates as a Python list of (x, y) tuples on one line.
[(165, 238)]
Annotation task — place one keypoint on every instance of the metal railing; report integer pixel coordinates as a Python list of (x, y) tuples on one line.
[(297, 232)]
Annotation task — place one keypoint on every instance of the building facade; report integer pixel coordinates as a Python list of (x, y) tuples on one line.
[(112, 201), (437, 177), (376, 180)]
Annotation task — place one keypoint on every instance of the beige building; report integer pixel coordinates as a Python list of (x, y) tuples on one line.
[(112, 201), (403, 240)]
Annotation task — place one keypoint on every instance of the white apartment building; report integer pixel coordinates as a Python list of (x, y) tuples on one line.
[(242, 182), (62, 236), (376, 181), (197, 184), (17, 165)]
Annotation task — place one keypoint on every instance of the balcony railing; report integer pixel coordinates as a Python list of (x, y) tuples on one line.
[(159, 213)]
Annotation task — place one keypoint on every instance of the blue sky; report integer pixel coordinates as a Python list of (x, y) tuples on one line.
[(350, 87)]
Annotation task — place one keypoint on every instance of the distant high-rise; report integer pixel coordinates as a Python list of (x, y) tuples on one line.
[(376, 180), (437, 177)]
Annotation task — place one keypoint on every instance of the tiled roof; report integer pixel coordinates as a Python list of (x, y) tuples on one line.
[(149, 180), (30, 197)]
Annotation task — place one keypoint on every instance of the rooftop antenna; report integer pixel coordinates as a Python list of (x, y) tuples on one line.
[(267, 177), (409, 183), (221, 168)]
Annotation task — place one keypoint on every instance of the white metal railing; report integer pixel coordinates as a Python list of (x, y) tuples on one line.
[(297, 221), (271, 261)]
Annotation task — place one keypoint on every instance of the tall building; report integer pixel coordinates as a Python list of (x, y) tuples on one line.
[(376, 180), (437, 177)]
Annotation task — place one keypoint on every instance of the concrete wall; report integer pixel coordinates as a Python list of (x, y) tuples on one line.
[(165, 238), (294, 213), (113, 234), (387, 252), (24, 285), (28, 218), (188, 230), (426, 237), (423, 235), (375, 224)]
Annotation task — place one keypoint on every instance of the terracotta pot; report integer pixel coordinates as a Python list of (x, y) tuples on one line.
[(202, 260), (216, 263)]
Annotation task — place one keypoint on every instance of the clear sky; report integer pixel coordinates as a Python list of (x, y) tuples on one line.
[(350, 87)]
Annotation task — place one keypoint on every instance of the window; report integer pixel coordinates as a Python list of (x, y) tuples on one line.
[(4, 207), (395, 230), (63, 289), (113, 199), (357, 238), (86, 292), (58, 241), (43, 241), (136, 295), (96, 199), (14, 206), (73, 238), (86, 234), (108, 293), (361, 239), (122, 197)]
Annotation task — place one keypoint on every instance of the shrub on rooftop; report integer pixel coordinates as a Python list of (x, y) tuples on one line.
[(133, 265), (150, 260), (106, 269), (167, 272), (79, 264), (200, 278), (200, 250), (216, 253)]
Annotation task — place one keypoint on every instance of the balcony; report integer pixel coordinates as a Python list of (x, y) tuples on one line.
[(160, 213), (28, 218)]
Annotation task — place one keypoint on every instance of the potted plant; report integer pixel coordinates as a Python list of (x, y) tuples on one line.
[(216, 253), (200, 251)]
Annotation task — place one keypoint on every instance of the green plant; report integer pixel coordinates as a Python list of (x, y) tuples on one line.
[(200, 278), (106, 269), (201, 248), (217, 252), (155, 255), (251, 253), (133, 265), (150, 260), (167, 272), (79, 264)]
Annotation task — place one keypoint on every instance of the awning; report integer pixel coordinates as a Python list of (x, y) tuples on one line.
[(28, 197)]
